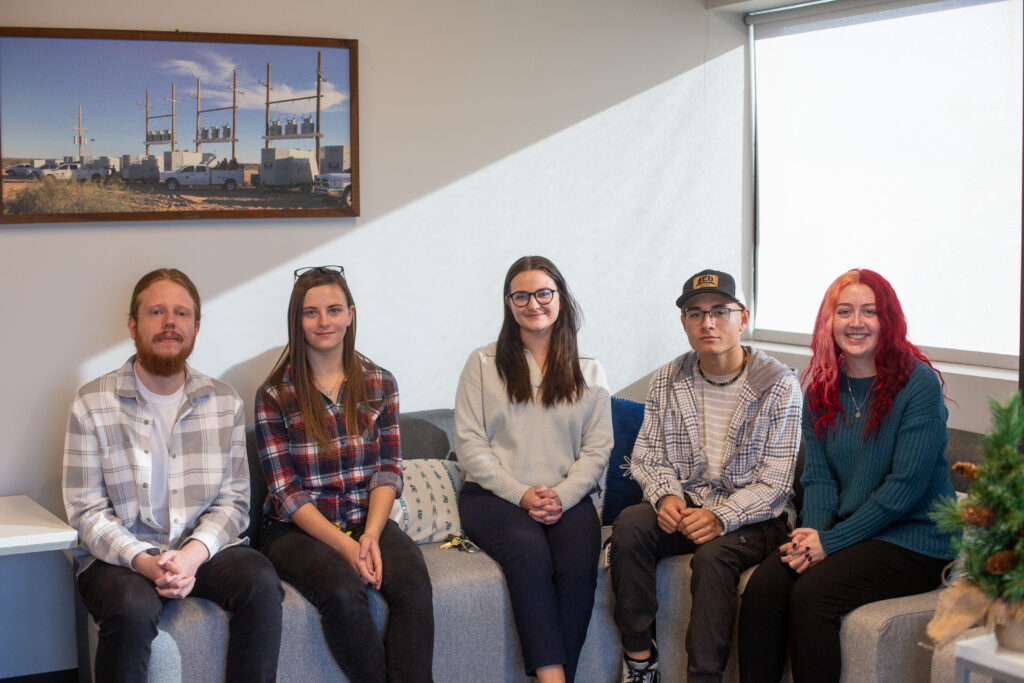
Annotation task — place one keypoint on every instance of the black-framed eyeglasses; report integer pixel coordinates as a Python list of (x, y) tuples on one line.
[(326, 270), (522, 299), (719, 314)]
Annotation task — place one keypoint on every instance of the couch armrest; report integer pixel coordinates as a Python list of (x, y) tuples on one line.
[(886, 640)]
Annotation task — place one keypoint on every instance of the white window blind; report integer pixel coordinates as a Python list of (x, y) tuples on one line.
[(889, 138)]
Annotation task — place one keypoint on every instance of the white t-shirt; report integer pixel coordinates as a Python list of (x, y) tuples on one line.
[(165, 414)]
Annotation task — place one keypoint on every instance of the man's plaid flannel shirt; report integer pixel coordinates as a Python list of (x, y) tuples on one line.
[(108, 469), (756, 483)]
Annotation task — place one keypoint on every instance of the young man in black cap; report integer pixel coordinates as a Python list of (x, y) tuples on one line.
[(715, 458)]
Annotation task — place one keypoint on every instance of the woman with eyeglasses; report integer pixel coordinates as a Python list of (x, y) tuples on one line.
[(327, 430), (874, 427), (533, 432)]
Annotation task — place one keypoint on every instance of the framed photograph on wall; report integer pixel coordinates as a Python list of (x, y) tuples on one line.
[(100, 125)]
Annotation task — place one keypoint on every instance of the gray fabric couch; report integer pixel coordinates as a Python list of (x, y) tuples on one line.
[(475, 638)]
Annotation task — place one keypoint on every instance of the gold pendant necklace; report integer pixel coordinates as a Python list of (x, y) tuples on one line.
[(854, 398)]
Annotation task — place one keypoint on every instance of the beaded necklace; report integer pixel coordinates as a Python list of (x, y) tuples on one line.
[(746, 357)]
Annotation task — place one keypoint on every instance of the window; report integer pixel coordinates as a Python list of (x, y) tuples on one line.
[(890, 139)]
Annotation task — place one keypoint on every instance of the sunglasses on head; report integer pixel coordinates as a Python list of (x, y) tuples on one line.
[(326, 270)]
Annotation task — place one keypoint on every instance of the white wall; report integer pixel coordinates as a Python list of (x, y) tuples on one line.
[(608, 136), (605, 135)]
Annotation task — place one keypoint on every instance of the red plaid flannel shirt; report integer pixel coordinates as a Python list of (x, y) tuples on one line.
[(338, 482)]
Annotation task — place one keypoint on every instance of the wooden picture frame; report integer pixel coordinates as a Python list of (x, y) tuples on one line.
[(73, 103)]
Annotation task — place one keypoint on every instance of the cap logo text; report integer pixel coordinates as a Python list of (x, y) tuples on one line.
[(702, 281)]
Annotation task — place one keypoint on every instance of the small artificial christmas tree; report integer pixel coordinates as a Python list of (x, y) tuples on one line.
[(989, 586)]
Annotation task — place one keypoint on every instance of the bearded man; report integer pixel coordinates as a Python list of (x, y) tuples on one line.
[(156, 482)]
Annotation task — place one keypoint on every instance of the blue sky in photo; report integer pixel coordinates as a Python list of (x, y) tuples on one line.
[(44, 80)]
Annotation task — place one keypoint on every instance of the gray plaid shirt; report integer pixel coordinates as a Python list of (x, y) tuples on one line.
[(108, 469), (760, 451)]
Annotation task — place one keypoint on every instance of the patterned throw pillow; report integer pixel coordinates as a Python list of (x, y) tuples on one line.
[(428, 510), (620, 490)]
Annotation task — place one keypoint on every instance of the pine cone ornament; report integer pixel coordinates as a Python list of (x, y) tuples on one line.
[(1000, 562), (967, 470), (977, 515)]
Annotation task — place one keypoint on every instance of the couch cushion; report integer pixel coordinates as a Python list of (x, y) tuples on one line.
[(620, 489), (427, 434), (474, 635), (428, 510)]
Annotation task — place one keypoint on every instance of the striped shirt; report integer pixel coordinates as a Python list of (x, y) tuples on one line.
[(717, 405), (338, 482), (108, 469)]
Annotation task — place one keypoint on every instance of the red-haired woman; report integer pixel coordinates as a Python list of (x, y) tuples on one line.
[(533, 431), (875, 432), (327, 430)]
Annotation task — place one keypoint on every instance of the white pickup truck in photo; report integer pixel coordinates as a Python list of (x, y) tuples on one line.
[(202, 174), (73, 171), (334, 185)]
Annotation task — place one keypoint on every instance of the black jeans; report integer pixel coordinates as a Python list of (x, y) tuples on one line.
[(637, 545), (127, 608), (551, 572), (807, 609), (330, 583)]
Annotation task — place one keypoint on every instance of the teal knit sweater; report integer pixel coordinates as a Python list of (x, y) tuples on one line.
[(881, 488)]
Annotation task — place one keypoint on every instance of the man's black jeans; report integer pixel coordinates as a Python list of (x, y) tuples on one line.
[(127, 608), (637, 545)]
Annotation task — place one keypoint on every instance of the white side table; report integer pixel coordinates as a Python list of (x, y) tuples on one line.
[(27, 527), (37, 626), (984, 656)]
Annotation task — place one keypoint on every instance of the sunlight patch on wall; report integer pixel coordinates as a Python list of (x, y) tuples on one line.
[(627, 203)]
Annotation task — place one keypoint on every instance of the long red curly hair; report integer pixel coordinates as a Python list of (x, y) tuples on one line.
[(895, 357)]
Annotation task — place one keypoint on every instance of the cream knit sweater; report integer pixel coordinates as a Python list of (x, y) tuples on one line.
[(509, 448)]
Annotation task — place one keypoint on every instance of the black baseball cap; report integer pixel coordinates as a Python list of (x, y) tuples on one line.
[(710, 282)]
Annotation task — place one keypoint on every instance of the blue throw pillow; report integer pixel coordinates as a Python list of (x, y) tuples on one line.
[(620, 490)]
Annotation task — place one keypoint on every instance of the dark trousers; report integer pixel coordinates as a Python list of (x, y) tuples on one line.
[(551, 571), (807, 609), (637, 545), (127, 608), (337, 591)]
